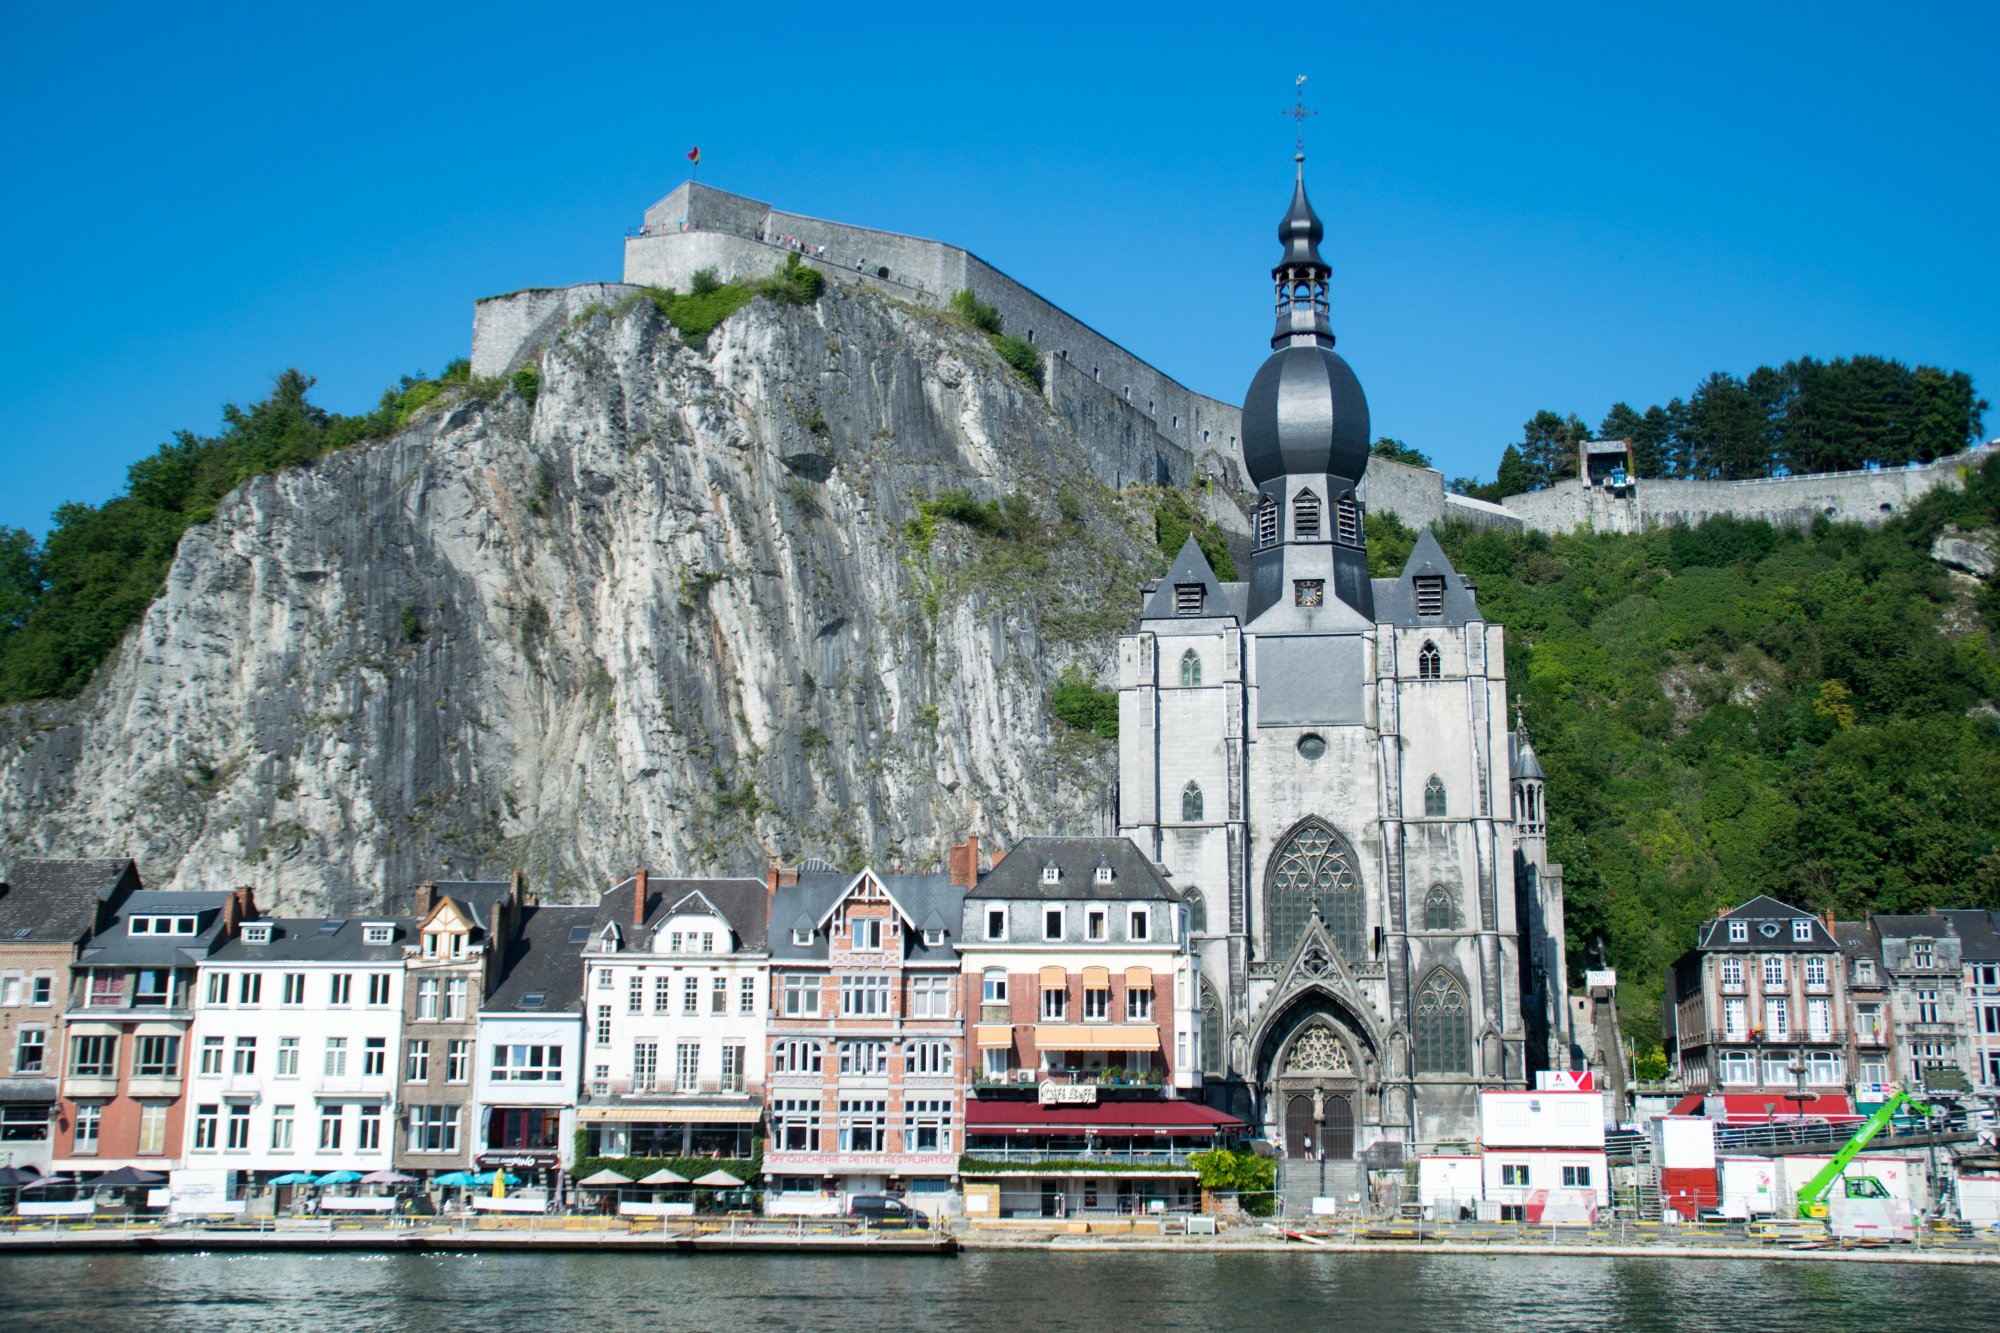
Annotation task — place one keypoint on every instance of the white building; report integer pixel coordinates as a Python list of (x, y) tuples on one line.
[(676, 976), (530, 1058), (1544, 1150), (295, 1039)]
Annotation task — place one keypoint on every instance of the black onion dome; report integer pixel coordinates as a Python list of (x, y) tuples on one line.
[(1300, 233), (1305, 413)]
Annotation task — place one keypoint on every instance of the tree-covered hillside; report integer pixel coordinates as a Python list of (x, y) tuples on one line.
[(1732, 709)]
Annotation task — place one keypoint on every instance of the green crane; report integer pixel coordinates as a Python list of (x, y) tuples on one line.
[(1813, 1193)]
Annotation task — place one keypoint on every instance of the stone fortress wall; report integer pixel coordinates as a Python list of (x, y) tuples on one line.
[(1144, 426)]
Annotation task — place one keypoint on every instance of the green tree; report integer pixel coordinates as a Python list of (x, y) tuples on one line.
[(1549, 447), (1400, 452), (1515, 476)]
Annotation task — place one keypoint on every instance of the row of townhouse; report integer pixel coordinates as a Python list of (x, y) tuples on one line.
[(867, 1030), (1780, 1012)]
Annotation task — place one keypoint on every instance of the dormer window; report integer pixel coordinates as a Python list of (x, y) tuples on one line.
[(1864, 970), (1267, 523), (1188, 598), (430, 944), (1430, 594), (802, 938), (1801, 932), (933, 938), (257, 932), (1104, 875), (1305, 516), (1739, 932), (1051, 873), (377, 932), (1921, 955)]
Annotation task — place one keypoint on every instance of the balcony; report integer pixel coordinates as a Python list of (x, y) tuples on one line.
[(872, 1163), (1028, 1157)]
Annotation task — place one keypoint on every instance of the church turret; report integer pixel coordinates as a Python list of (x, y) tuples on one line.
[(1530, 818), (1305, 440)]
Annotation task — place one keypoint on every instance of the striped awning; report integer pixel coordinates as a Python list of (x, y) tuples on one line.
[(672, 1115), (992, 1036), (1139, 978), (1054, 977), (1097, 978)]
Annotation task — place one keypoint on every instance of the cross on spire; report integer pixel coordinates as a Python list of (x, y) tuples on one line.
[(1299, 114)]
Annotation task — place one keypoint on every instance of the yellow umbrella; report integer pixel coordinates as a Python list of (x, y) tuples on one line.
[(500, 1184)]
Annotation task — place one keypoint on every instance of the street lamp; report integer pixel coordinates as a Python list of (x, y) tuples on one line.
[(1801, 1094)]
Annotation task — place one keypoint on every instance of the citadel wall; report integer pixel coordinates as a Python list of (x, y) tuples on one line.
[(1144, 426)]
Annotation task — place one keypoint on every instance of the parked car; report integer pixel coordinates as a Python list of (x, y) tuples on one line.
[(881, 1211)]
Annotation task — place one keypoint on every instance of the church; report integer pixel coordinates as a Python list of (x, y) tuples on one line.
[(1322, 762)]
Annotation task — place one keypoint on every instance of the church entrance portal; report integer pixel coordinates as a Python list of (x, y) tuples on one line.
[(1316, 1091)]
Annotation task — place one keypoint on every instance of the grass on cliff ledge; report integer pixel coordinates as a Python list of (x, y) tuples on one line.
[(67, 601), (709, 301)]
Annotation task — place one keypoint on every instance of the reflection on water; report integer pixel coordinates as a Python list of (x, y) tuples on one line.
[(1043, 1292)]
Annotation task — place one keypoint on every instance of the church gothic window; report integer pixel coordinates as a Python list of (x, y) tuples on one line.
[(1190, 669), (1437, 908), (1197, 912), (1430, 663), (1313, 868), (1267, 523), (1191, 804), (1211, 1030), (1443, 1027), (1434, 798), (1305, 515), (1347, 520)]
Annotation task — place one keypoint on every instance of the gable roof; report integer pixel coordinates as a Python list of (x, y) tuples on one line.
[(1134, 877), (57, 899), (740, 902), (811, 901), (541, 960), (1396, 599), (1191, 566), (1979, 940), (305, 939), (113, 944), (478, 898)]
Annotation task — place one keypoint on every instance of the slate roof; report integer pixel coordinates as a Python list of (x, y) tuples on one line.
[(1219, 599), (112, 947), (1524, 762), (541, 959), (477, 896), (805, 905), (302, 939), (1979, 939), (1019, 875), (1396, 599), (1857, 940), (57, 899), (1927, 925), (741, 902), (1759, 910)]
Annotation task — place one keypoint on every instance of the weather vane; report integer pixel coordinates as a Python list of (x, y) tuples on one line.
[(1299, 112)]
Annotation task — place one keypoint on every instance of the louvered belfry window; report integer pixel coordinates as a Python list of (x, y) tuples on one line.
[(1430, 595)]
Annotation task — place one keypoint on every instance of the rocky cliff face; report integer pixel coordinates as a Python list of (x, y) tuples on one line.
[(668, 612)]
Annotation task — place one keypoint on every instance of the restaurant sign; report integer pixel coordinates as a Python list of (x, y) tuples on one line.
[(517, 1159), (1068, 1094)]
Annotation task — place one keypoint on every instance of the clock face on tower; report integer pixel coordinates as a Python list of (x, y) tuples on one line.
[(1308, 592)]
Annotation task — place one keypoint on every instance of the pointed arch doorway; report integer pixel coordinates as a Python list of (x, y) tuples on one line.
[(1316, 1089)]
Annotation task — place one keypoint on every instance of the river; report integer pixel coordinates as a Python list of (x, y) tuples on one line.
[(986, 1291)]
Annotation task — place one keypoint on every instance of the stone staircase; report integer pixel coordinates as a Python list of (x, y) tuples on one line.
[(1301, 1181)]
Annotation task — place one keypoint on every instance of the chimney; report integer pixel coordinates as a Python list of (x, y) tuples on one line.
[(771, 882), (639, 897), (426, 898), (514, 887), (962, 863)]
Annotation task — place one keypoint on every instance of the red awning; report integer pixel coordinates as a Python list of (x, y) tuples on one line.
[(1167, 1117), (1690, 1104), (1763, 1108)]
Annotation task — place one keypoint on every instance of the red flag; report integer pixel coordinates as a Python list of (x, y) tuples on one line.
[(694, 154)]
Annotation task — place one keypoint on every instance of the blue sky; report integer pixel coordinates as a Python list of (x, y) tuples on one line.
[(1527, 206)]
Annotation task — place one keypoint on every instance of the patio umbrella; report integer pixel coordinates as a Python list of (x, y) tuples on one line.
[(388, 1178), (664, 1176), (50, 1182), (456, 1179), (486, 1178), (719, 1179), (13, 1177), (338, 1178), (605, 1179), (126, 1176), (295, 1178)]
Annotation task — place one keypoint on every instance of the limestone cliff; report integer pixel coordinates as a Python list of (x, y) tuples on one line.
[(669, 611)]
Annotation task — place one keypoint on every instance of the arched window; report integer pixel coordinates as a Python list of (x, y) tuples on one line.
[(1430, 663), (1433, 798), (1347, 519), (1197, 912), (1305, 515), (1437, 908), (1190, 669), (1443, 1027), (1314, 867), (1211, 1030), (1267, 522), (1191, 804)]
